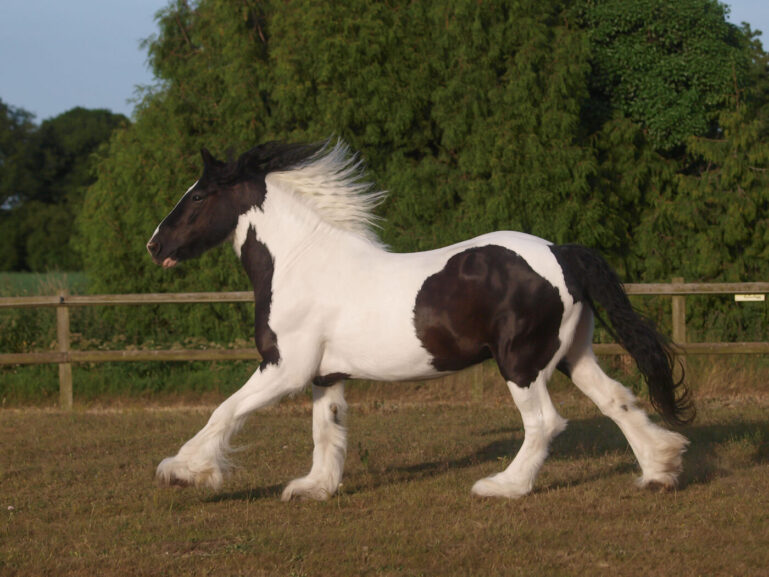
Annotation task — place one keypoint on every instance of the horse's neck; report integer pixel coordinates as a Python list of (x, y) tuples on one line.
[(283, 230), (282, 224)]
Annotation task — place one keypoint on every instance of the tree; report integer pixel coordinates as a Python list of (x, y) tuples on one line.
[(43, 180), (718, 218), (16, 126), (469, 113), (669, 66), (571, 120)]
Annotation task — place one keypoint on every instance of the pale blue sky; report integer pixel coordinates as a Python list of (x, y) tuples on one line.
[(754, 12), (58, 54)]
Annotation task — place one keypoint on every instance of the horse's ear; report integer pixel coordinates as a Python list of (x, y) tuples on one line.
[(208, 159)]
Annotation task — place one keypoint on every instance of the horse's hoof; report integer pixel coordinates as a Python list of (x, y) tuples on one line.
[(174, 473), (663, 484), (175, 481), (490, 487), (305, 489)]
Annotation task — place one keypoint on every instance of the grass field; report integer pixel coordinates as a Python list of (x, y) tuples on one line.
[(34, 283), (77, 495)]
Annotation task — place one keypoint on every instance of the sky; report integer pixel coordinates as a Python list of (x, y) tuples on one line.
[(59, 54)]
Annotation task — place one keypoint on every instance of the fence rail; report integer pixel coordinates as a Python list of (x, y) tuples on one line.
[(64, 356)]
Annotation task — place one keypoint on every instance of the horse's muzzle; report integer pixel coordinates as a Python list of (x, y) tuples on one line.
[(155, 248)]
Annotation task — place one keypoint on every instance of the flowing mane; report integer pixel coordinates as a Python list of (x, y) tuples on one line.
[(332, 181)]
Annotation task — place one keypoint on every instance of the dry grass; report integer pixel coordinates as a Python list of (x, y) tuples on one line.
[(77, 496), (730, 377)]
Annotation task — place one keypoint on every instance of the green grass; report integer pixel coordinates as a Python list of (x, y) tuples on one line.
[(78, 496), (32, 283), (136, 382), (30, 329), (189, 382)]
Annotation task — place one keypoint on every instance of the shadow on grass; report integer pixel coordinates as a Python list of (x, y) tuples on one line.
[(718, 449), (255, 494), (715, 450)]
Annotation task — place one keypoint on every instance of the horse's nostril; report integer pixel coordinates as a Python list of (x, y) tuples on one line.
[(153, 248)]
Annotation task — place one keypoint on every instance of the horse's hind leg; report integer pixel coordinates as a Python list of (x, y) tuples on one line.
[(659, 451), (541, 423), (330, 437)]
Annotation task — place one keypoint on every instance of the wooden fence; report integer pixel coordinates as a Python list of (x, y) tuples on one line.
[(64, 356)]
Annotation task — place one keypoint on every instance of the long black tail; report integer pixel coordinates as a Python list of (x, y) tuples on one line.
[(595, 282)]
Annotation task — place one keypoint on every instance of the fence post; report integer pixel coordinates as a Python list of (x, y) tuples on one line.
[(62, 339), (679, 320)]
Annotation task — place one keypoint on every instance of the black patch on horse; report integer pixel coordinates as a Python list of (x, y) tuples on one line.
[(260, 265), (487, 301), (564, 366), (329, 379), (567, 256)]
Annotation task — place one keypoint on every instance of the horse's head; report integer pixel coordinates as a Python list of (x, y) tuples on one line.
[(207, 213)]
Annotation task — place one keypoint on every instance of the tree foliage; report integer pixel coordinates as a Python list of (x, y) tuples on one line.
[(716, 214), (16, 127), (669, 66), (579, 121), (44, 171)]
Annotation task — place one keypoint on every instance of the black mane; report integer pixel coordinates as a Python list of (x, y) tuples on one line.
[(274, 156)]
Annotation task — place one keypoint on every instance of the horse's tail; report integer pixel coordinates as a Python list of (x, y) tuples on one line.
[(596, 282)]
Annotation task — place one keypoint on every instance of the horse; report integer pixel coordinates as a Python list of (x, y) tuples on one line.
[(332, 303)]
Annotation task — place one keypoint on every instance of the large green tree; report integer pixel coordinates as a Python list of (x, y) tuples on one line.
[(711, 223), (668, 66), (575, 120), (469, 113), (16, 127)]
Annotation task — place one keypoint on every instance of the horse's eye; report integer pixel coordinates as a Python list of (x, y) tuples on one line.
[(196, 198)]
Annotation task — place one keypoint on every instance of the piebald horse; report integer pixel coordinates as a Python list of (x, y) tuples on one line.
[(332, 303)]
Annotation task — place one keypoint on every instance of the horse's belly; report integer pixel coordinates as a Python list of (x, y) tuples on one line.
[(379, 345)]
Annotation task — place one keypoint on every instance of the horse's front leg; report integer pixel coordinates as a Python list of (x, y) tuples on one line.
[(330, 437), (203, 460)]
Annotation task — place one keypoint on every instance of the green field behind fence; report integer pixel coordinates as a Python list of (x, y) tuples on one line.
[(23, 330), (30, 283)]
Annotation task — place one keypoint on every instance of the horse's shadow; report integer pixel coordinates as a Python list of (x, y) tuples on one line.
[(590, 437), (255, 494), (583, 437), (718, 450)]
